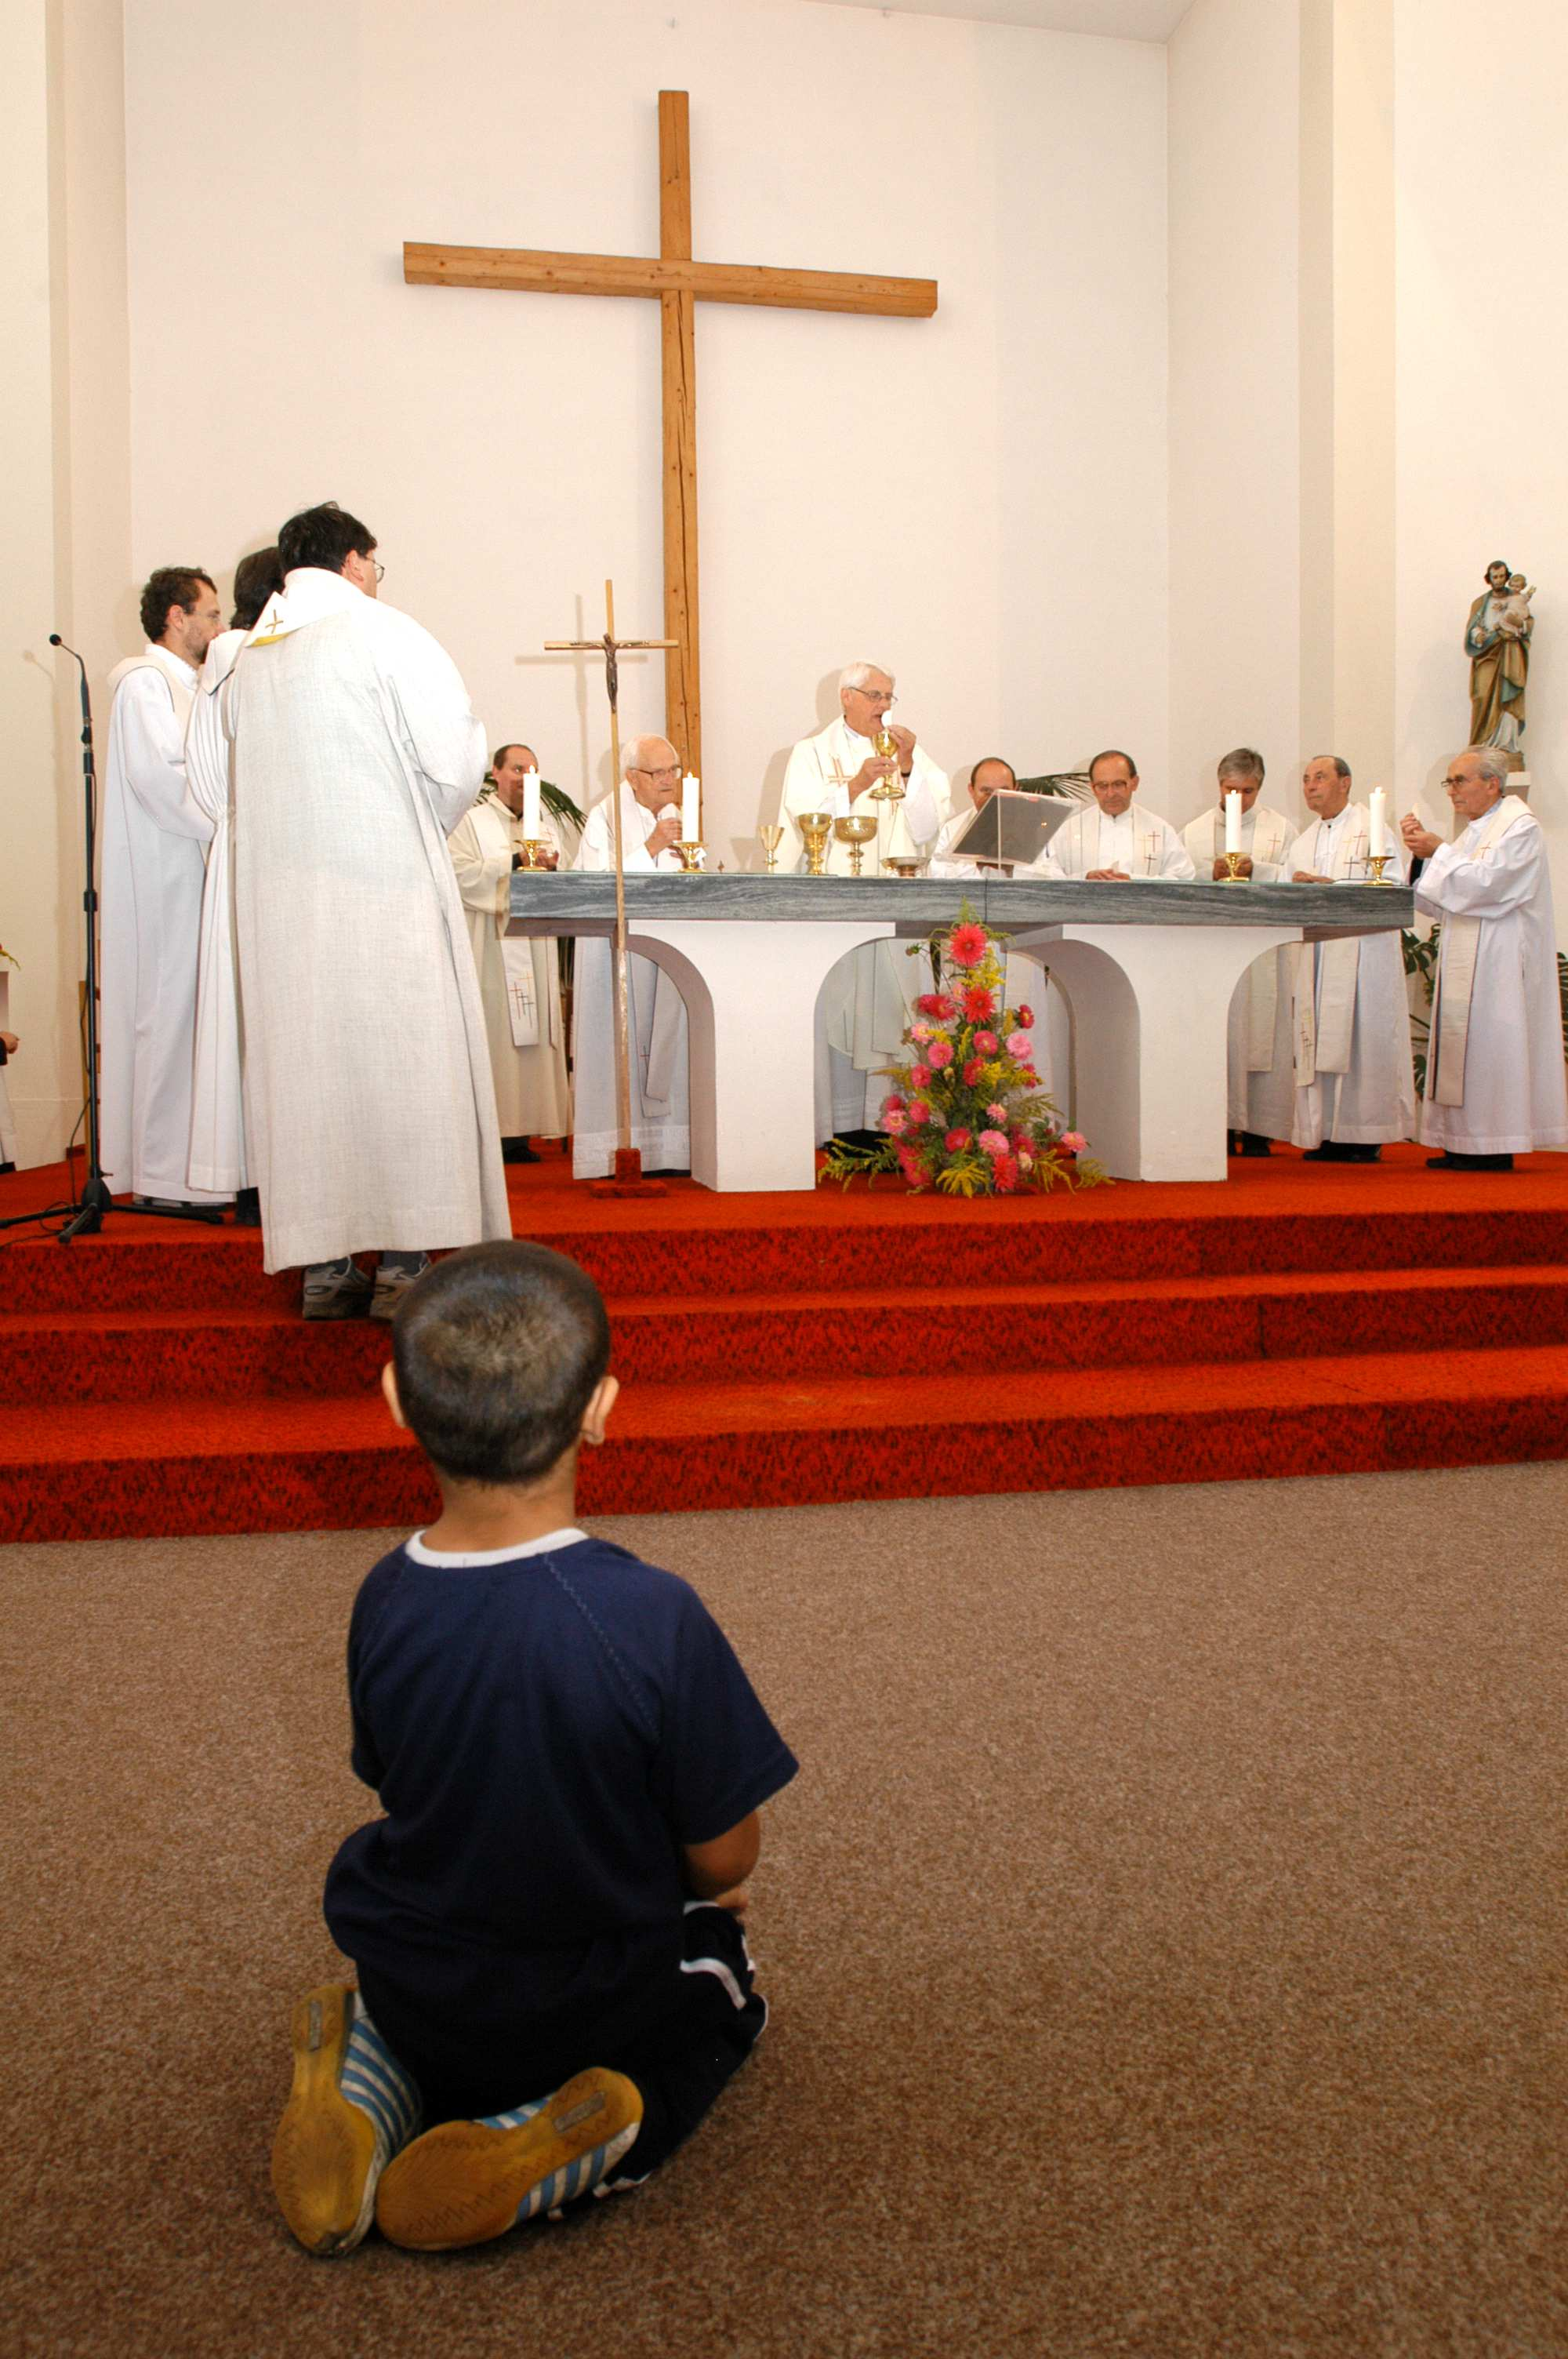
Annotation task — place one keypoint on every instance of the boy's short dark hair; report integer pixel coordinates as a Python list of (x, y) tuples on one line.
[(256, 577), (498, 1349), (323, 536), (172, 585)]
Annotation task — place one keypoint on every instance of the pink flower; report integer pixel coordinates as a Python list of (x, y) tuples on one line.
[(978, 1004), (919, 1112), (1026, 1017), (1018, 1045), (972, 1072), (956, 1141), (920, 1077), (1004, 1172), (1074, 1141), (994, 1142), (920, 1031), (997, 1114), (892, 1103), (940, 1053), (986, 1044), (967, 945), (894, 1121), (1025, 1160)]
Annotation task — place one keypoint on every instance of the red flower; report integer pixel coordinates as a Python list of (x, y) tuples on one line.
[(972, 1072), (956, 1141), (967, 945), (978, 1004), (1024, 1017), (920, 1077), (911, 1167), (1020, 1138), (1004, 1173), (919, 1112), (986, 1044), (937, 1003), (939, 1053)]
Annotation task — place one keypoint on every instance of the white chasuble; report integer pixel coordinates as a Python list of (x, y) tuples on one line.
[(370, 1111), (1258, 1027), (1353, 1069), (1495, 1074), (656, 1022), (867, 999), (519, 975), (1138, 841), (217, 1123), (151, 868)]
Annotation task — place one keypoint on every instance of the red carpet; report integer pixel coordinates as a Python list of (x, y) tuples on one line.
[(1299, 1320)]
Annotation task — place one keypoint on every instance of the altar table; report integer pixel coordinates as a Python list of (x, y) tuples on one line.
[(1147, 969)]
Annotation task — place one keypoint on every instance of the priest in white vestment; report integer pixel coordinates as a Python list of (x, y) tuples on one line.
[(519, 974), (1495, 1084), (1258, 1047), (660, 1087), (869, 997), (152, 848), (1024, 977), (370, 1111), (217, 1120), (9, 1044), (1118, 840), (1355, 1078)]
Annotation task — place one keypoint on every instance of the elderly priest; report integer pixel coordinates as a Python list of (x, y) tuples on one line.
[(868, 998), (661, 1104), (519, 977), (1355, 1088), (1118, 841), (1493, 1071), (1257, 1036)]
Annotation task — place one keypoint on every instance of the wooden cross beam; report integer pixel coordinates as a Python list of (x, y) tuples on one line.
[(679, 284)]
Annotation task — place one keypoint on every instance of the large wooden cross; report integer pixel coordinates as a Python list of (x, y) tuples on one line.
[(680, 283)]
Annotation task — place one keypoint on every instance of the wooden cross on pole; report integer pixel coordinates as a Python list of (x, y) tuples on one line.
[(680, 283), (628, 1180)]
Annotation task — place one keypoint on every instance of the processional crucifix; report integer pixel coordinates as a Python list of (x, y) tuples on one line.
[(679, 284)]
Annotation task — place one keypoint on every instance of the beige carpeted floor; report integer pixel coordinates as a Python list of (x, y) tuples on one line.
[(1164, 1939)]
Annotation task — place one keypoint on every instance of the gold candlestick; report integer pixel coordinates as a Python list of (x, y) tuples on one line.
[(771, 839), (1233, 875), (1376, 862), (816, 827), (689, 854), (534, 849), (857, 830)]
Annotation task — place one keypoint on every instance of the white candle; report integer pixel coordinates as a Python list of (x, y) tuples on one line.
[(691, 808), (1233, 822), (531, 806), (1377, 824)]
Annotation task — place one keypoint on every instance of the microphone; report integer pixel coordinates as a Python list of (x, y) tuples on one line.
[(56, 641)]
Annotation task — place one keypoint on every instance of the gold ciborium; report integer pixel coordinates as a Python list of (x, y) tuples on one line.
[(771, 839), (857, 830), (816, 827), (891, 788)]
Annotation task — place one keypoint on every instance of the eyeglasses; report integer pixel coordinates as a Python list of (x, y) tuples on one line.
[(669, 770), (380, 570), (875, 696)]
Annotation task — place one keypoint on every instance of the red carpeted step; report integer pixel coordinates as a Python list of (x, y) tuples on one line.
[(293, 1465), (217, 1355)]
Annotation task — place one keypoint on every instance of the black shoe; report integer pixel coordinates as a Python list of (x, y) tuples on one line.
[(247, 1208), (1452, 1162), (1253, 1141), (517, 1150), (7, 1167), (1339, 1150), (858, 1139)]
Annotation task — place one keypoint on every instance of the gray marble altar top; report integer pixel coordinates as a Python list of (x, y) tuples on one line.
[(582, 901)]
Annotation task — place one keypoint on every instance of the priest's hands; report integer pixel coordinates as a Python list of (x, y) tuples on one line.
[(1310, 876), (1107, 877), (874, 772), (905, 740), (666, 831), (9, 1043), (1419, 839), (1222, 868)]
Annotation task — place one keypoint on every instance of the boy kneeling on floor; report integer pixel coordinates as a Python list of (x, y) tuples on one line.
[(551, 1970)]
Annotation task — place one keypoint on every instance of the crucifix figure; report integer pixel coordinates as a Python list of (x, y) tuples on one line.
[(680, 283)]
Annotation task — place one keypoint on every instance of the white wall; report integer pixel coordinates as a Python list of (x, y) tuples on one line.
[(1482, 349), (1236, 409), (977, 500)]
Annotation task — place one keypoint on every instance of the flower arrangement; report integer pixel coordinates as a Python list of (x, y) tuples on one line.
[(968, 1115)]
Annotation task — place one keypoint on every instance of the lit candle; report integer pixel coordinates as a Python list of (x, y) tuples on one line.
[(1377, 824), (691, 808), (1233, 822), (531, 806)]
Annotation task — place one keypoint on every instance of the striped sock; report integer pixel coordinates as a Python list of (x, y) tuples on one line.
[(374, 2080)]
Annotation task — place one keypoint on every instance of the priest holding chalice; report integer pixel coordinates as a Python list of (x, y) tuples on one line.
[(868, 998)]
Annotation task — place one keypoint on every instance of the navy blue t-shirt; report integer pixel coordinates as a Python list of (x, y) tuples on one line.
[(545, 1734)]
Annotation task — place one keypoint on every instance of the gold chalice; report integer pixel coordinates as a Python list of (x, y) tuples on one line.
[(857, 829), (771, 839), (816, 827)]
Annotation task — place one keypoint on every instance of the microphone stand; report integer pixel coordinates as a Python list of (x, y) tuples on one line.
[(96, 1200)]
